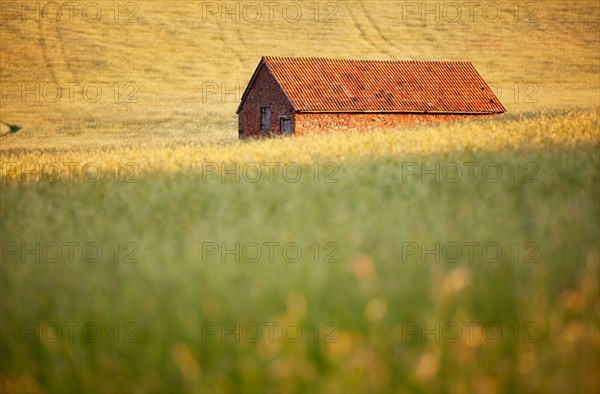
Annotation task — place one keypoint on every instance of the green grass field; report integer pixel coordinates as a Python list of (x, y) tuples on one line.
[(450, 258), (547, 291)]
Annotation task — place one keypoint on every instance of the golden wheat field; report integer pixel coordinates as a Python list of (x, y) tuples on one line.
[(147, 70), (578, 128)]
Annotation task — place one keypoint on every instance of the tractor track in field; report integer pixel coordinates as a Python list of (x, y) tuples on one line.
[(380, 32), (61, 40), (228, 47), (59, 53), (363, 33), (44, 47), (240, 36)]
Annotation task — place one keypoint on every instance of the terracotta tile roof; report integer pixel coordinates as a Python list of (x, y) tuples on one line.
[(332, 85)]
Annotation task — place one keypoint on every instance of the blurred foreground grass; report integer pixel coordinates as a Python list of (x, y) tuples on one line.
[(386, 322), (528, 321)]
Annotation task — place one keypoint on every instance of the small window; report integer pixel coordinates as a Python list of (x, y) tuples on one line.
[(285, 123), (265, 118)]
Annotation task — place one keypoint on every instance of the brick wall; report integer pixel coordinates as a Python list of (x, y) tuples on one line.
[(264, 92), (310, 122)]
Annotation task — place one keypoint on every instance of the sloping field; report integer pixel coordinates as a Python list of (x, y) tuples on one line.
[(179, 67)]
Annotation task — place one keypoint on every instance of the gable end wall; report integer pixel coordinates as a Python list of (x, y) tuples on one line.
[(264, 92)]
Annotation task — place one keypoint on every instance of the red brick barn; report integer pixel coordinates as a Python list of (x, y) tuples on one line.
[(289, 95)]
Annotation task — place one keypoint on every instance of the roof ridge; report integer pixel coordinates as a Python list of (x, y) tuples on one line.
[(309, 58)]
